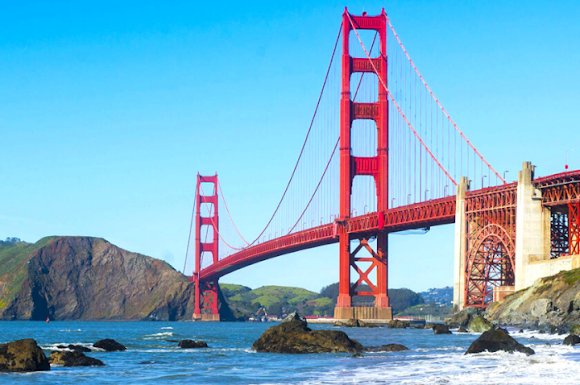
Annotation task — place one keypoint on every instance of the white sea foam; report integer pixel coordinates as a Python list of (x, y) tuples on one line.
[(167, 328), (54, 346), (158, 335), (70, 330), (550, 363)]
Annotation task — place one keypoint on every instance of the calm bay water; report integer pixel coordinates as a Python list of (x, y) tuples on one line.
[(152, 359)]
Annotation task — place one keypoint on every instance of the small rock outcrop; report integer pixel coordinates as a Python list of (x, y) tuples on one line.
[(191, 344), (497, 339), (109, 345), (74, 358), (22, 356), (355, 323), (294, 336), (478, 324), (398, 324), (76, 348), (386, 348), (462, 329), (572, 339), (441, 329), (462, 318), (350, 323)]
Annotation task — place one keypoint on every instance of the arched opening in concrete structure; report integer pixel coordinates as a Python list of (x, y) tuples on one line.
[(490, 265)]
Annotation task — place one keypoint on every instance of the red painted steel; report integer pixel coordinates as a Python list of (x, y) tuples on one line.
[(574, 227), (485, 206), (490, 255), (441, 211), (352, 166), (206, 291)]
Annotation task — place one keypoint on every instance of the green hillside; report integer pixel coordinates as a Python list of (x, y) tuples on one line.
[(279, 300), (276, 300)]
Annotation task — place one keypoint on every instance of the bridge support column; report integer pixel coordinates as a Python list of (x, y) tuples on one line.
[(532, 227), (460, 245), (374, 264), (206, 302)]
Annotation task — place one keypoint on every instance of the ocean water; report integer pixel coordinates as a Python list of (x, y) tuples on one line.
[(154, 358)]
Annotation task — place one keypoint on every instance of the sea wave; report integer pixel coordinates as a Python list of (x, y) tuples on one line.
[(548, 364), (55, 346), (158, 335)]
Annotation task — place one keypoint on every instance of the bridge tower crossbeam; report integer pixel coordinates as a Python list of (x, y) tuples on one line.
[(374, 166)]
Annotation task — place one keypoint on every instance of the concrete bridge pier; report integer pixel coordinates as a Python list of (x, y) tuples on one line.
[(532, 227), (460, 245)]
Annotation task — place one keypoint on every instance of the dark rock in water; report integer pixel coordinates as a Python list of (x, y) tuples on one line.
[(521, 330), (462, 330), (294, 336), (74, 358), (355, 323), (502, 329), (441, 329), (386, 348), (398, 324), (497, 339), (22, 356), (76, 348), (572, 339), (191, 344), (109, 345), (351, 323)]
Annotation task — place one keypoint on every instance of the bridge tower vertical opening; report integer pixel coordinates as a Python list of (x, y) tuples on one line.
[(206, 303), (355, 250)]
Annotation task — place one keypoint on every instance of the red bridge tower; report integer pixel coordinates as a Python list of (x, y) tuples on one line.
[(375, 262), (206, 306)]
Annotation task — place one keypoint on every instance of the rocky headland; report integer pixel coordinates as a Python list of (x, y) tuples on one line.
[(551, 304), (89, 278)]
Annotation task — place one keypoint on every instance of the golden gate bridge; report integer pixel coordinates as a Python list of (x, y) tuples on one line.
[(381, 154)]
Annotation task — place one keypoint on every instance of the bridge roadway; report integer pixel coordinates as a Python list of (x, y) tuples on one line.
[(415, 216), (419, 215)]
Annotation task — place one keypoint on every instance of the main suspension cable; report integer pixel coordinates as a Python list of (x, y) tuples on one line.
[(397, 104), (447, 115)]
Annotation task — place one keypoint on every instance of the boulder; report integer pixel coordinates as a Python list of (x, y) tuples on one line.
[(441, 329), (497, 339), (462, 330), (22, 356), (572, 339), (76, 348), (350, 323), (462, 317), (74, 358), (364, 324), (293, 335), (191, 344), (398, 324), (478, 324), (386, 348), (109, 345)]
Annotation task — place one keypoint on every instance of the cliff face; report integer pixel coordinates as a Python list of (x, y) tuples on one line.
[(552, 302), (89, 278)]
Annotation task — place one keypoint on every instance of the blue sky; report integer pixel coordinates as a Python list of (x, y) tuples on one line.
[(109, 110)]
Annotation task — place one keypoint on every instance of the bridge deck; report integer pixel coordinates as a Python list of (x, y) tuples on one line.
[(415, 216)]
